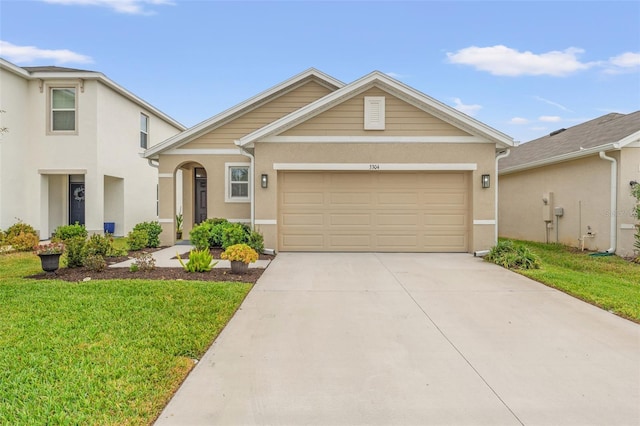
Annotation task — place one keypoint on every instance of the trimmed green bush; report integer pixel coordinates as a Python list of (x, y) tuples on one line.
[(98, 245), (66, 232), (74, 251), (153, 230), (200, 235), (137, 239), (21, 236), (513, 256), (255, 240), (234, 233), (18, 228), (95, 262)]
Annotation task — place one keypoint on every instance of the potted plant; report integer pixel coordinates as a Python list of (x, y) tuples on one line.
[(49, 255), (240, 255), (179, 220)]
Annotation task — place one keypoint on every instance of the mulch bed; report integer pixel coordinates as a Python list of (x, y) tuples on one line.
[(216, 274)]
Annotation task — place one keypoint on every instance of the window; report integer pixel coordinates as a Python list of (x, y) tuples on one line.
[(144, 130), (63, 109), (237, 182)]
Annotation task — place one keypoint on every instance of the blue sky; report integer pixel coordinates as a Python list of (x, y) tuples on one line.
[(524, 68)]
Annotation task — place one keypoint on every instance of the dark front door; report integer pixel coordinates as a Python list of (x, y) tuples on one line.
[(76, 203), (200, 195)]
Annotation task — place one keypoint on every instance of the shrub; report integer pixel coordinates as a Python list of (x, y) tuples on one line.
[(75, 251), (143, 261), (217, 221), (240, 253), (66, 232), (137, 239), (200, 235), (513, 256), (234, 233), (153, 230), (95, 262), (3, 237), (255, 240), (23, 241), (19, 228), (199, 261), (21, 236), (98, 244)]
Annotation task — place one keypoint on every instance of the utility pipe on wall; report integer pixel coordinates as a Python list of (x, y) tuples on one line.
[(614, 200), (499, 157), (252, 200)]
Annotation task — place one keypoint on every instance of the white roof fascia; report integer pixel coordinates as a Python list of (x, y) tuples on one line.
[(90, 75), (352, 89), (560, 158), (251, 103), (628, 140)]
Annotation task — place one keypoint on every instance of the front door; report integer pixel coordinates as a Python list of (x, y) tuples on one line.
[(76, 203), (200, 195)]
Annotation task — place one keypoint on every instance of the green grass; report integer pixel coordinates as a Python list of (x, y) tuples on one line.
[(100, 352), (611, 283)]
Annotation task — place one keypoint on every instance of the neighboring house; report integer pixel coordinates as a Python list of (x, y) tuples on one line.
[(72, 150), (573, 186), (317, 165)]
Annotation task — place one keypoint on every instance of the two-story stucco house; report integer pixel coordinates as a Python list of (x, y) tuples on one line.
[(72, 150)]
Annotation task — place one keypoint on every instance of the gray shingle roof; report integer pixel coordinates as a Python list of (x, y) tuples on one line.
[(606, 129)]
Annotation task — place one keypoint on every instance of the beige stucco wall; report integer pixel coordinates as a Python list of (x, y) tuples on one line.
[(582, 188)]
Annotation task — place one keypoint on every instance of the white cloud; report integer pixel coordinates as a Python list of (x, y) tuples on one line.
[(29, 54), (555, 104), (625, 62), (131, 7), (502, 60), (550, 118), (467, 109), (518, 120)]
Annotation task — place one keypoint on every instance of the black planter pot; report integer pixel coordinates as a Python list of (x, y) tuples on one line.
[(50, 262), (238, 267)]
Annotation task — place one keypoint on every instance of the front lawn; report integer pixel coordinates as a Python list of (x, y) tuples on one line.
[(102, 351), (611, 283)]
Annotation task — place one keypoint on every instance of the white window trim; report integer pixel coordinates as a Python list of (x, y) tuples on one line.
[(227, 183), (146, 132), (50, 130)]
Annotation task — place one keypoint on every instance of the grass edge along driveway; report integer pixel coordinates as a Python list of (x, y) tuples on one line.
[(610, 282), (103, 351)]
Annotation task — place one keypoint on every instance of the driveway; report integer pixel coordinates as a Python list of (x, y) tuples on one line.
[(412, 339)]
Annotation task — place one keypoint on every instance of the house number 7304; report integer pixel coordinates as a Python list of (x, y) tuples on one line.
[(374, 166)]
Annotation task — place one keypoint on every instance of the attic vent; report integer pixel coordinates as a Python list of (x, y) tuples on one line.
[(557, 132), (374, 113)]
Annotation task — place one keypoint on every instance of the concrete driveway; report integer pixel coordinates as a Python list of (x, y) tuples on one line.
[(412, 339)]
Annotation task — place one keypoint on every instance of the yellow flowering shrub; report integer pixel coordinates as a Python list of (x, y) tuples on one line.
[(240, 252)]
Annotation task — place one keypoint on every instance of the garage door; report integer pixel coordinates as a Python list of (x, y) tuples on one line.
[(373, 211)]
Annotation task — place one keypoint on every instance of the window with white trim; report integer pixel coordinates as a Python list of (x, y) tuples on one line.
[(237, 182), (63, 109), (144, 131)]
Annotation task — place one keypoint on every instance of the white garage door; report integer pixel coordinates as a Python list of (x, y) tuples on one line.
[(373, 211)]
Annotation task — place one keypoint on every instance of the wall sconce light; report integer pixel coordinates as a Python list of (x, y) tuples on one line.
[(486, 182), (264, 181), (633, 183)]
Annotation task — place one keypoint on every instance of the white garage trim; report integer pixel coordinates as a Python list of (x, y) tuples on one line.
[(377, 166), (484, 222)]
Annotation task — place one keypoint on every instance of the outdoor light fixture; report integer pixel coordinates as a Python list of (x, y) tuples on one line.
[(486, 182), (633, 183), (264, 181)]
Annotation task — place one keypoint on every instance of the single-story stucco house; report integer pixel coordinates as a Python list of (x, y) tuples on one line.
[(72, 150), (574, 186), (319, 165)]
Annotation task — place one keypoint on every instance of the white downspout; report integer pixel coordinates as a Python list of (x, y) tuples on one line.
[(246, 153), (614, 200), (499, 157)]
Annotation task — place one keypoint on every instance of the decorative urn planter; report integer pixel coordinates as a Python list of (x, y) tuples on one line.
[(239, 267), (50, 262)]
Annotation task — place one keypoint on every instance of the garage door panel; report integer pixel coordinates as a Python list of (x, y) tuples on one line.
[(304, 219), (350, 198), (303, 198), (374, 211)]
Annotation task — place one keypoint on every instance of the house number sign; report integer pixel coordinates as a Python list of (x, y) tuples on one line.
[(374, 166)]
